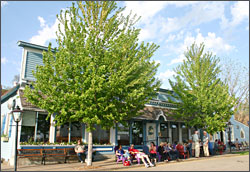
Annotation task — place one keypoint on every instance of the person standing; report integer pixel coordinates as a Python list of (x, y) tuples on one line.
[(205, 143), (195, 139), (80, 151)]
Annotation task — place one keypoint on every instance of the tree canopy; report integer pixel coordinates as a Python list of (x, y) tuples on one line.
[(205, 101), (100, 73)]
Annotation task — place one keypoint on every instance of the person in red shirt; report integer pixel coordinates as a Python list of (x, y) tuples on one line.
[(180, 149), (152, 151), (134, 152)]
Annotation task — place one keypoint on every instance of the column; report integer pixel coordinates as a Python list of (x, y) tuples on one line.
[(189, 133), (52, 130), (35, 137), (83, 133), (180, 132), (156, 130), (144, 133), (69, 134), (170, 132), (130, 132)]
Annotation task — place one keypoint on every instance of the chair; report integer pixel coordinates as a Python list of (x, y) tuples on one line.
[(120, 158)]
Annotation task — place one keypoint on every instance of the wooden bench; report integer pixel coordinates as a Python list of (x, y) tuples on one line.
[(28, 153), (44, 154)]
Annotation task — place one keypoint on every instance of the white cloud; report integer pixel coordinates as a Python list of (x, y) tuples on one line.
[(4, 60), (240, 12), (202, 12), (42, 21), (47, 32), (150, 22), (165, 75), (4, 3), (213, 43)]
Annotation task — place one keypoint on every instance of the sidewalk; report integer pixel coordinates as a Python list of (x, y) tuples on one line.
[(105, 165)]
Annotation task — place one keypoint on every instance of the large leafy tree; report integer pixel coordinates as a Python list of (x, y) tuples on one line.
[(205, 101), (100, 73)]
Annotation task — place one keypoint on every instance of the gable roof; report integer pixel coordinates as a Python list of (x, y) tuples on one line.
[(9, 93)]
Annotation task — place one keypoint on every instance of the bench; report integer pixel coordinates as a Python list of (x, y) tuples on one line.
[(28, 153), (44, 154)]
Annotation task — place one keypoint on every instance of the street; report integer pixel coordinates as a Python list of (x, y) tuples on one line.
[(235, 163)]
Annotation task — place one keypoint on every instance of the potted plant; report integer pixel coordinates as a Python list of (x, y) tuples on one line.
[(4, 138)]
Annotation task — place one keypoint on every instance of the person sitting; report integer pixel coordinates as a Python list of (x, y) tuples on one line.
[(216, 146), (121, 153), (237, 144), (132, 154), (80, 151), (152, 152), (186, 149), (180, 149), (167, 149), (142, 156), (174, 152), (162, 152)]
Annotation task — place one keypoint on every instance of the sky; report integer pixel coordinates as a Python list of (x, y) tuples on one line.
[(223, 26)]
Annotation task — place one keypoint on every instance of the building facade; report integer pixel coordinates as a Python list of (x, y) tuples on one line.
[(153, 125)]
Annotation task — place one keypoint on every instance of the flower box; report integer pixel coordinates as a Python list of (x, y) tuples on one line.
[(5, 139)]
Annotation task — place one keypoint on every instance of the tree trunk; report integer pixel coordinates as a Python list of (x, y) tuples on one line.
[(90, 146)]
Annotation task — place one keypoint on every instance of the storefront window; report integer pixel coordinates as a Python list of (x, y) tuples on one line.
[(43, 126), (122, 134), (62, 133), (101, 136), (29, 122), (175, 132), (184, 133), (76, 131), (137, 133), (163, 135)]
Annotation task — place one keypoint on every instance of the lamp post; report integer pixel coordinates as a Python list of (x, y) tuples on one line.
[(229, 124), (17, 116)]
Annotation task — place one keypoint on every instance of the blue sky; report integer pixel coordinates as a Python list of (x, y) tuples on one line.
[(222, 26)]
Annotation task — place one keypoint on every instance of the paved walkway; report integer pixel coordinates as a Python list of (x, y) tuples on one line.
[(235, 163), (110, 165)]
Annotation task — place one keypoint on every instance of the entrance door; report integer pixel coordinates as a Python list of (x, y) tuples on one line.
[(150, 133)]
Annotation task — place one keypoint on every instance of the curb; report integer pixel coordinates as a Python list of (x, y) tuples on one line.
[(171, 162)]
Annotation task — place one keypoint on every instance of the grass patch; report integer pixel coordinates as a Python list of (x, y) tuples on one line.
[(241, 153)]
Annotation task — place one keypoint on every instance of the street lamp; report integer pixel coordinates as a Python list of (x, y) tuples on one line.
[(229, 124), (17, 116)]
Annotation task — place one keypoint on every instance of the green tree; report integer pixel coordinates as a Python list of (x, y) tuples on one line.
[(99, 74), (205, 101)]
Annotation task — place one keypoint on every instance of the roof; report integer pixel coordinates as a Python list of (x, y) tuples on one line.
[(11, 92), (27, 105), (30, 45), (152, 113)]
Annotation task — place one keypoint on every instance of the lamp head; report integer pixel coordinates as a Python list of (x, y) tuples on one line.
[(17, 114)]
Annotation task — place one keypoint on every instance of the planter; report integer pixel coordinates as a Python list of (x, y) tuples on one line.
[(5, 139)]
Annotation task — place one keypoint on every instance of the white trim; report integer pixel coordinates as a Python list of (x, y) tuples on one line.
[(161, 114), (159, 106), (242, 130)]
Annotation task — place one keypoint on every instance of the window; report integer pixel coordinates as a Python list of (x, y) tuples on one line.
[(43, 126), (175, 132), (184, 133), (62, 133), (137, 133), (76, 131), (122, 134), (101, 136), (29, 122), (242, 134)]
